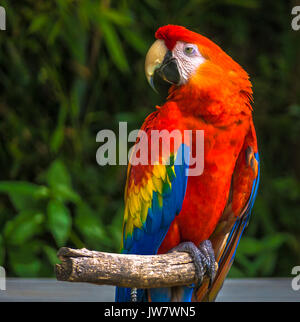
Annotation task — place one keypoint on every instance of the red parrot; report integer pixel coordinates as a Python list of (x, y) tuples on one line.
[(167, 209)]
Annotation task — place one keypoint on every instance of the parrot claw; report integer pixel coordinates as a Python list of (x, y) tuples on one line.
[(203, 257)]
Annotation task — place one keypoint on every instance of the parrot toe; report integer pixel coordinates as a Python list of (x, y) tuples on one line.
[(203, 257)]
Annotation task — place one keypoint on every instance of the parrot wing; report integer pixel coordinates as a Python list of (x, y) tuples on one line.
[(226, 237), (153, 197), (152, 204)]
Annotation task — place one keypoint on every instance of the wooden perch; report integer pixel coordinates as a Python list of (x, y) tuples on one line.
[(135, 271)]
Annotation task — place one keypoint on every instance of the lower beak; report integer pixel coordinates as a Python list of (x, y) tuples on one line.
[(165, 75), (168, 70)]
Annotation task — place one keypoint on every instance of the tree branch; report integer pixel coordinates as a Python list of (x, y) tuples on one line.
[(139, 271)]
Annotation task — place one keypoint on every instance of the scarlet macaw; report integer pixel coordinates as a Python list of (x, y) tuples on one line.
[(204, 215)]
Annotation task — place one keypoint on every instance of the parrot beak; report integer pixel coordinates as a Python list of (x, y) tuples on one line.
[(161, 68)]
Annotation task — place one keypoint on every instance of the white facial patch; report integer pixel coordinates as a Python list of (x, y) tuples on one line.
[(188, 58)]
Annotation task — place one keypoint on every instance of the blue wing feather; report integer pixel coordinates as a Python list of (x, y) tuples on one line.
[(242, 222), (147, 239)]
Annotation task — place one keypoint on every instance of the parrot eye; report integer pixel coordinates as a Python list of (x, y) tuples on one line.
[(190, 50), (188, 59)]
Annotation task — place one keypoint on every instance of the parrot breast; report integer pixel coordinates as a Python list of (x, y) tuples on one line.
[(207, 194)]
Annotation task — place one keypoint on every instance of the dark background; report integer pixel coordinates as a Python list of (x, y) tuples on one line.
[(71, 68)]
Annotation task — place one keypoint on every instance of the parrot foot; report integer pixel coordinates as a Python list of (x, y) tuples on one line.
[(203, 257)]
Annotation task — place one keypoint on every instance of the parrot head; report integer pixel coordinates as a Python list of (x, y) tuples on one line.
[(181, 61)]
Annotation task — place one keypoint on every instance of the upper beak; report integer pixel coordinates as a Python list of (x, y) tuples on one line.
[(160, 67)]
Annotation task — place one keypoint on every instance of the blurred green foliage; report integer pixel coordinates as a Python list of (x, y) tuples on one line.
[(69, 68)]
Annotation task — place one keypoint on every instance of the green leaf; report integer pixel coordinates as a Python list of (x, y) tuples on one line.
[(24, 195), (287, 186), (57, 137), (114, 46), (118, 18), (54, 33), (58, 175), (273, 242), (22, 202), (88, 223), (25, 260), (38, 23), (59, 221), (135, 40), (235, 273), (51, 254), (23, 227), (59, 180), (64, 193), (252, 246), (268, 264), (2, 251), (21, 187)]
